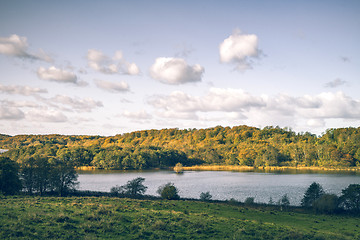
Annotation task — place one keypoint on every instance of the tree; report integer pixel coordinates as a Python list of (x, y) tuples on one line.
[(314, 192), (178, 168), (63, 176), (133, 187), (9, 176), (350, 198), (205, 196), (168, 191)]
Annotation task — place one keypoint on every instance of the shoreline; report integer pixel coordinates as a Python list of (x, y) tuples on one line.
[(270, 168), (237, 168)]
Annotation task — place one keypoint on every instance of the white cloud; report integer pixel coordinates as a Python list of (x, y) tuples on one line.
[(238, 104), (111, 86), (46, 116), (104, 64), (80, 105), (11, 113), (239, 49), (335, 83), (175, 71), (21, 90), (16, 46), (140, 115), (57, 75)]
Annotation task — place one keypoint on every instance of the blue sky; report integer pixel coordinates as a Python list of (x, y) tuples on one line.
[(109, 67)]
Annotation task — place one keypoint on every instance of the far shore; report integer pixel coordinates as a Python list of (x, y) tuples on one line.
[(270, 168), (244, 168)]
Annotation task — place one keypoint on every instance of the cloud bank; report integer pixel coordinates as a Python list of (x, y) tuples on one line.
[(175, 71), (238, 103)]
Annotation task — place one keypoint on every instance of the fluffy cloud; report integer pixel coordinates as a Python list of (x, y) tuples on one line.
[(57, 75), (117, 64), (238, 103), (80, 105), (111, 86), (140, 115), (239, 49), (16, 46), (335, 83), (11, 113), (46, 116), (21, 90), (175, 71)]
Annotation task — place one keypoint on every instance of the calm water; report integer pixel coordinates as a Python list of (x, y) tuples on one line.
[(223, 185)]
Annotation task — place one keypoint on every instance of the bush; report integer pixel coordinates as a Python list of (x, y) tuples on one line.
[(168, 191), (327, 203), (249, 201), (284, 202), (205, 196), (133, 187)]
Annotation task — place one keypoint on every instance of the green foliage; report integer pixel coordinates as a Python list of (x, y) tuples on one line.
[(9, 176), (168, 191), (249, 201), (327, 203), (350, 198), (239, 145), (314, 192), (284, 201), (41, 174), (205, 196), (133, 187)]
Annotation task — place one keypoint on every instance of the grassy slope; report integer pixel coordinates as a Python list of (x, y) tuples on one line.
[(117, 218)]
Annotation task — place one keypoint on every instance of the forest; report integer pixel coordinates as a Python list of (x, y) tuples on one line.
[(239, 145)]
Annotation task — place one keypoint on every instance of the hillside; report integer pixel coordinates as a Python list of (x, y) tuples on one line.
[(240, 145)]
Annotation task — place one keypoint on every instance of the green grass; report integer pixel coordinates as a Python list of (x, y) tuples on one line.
[(24, 217)]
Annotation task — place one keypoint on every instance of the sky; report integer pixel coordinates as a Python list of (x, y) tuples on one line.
[(111, 67)]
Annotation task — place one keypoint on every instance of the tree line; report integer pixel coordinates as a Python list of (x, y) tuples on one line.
[(37, 175), (240, 145)]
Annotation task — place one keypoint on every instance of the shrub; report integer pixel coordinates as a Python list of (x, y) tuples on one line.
[(168, 191), (284, 201), (249, 201), (327, 203), (178, 168), (205, 196), (133, 187)]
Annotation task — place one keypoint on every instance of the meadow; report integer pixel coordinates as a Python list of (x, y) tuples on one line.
[(34, 217)]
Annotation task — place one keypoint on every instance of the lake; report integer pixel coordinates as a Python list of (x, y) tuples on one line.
[(224, 185)]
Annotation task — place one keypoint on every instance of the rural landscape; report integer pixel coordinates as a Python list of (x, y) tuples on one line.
[(47, 204), (230, 119)]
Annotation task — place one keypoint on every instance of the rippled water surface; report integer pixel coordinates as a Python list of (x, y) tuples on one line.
[(223, 185)]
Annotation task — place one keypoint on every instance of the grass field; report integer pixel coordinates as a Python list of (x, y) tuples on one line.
[(25, 217)]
